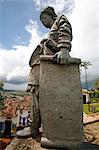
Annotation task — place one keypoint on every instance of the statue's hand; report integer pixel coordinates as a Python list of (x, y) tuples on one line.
[(62, 57)]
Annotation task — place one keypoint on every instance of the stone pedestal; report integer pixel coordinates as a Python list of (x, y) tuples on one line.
[(60, 104)]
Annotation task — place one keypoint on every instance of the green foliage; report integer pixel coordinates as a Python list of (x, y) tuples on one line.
[(1, 95), (95, 100), (1, 85), (1, 105), (1, 91), (85, 64), (86, 108), (97, 95), (1, 100), (92, 94), (18, 93), (96, 84)]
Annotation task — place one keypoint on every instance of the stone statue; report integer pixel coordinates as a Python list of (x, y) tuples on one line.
[(58, 44)]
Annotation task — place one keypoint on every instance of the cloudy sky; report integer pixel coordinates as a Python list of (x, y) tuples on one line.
[(21, 30)]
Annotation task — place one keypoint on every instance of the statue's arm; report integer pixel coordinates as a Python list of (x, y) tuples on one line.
[(64, 33), (64, 41)]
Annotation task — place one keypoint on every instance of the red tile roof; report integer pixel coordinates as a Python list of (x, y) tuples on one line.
[(12, 105)]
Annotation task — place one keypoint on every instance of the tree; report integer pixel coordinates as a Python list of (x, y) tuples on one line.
[(1, 95), (1, 85), (85, 65), (96, 84)]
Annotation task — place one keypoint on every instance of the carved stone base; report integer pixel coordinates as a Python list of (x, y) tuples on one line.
[(59, 144), (60, 104)]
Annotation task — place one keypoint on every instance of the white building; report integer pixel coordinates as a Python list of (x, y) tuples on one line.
[(86, 96)]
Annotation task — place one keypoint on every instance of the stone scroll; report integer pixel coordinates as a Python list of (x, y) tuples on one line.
[(60, 104)]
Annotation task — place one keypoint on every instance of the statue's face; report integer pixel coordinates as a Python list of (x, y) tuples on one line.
[(47, 20)]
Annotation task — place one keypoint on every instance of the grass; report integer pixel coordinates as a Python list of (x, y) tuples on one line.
[(86, 108), (95, 100)]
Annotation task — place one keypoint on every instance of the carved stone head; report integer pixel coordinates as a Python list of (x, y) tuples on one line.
[(48, 17)]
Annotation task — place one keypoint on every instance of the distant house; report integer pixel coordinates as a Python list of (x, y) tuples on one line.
[(86, 96), (14, 114)]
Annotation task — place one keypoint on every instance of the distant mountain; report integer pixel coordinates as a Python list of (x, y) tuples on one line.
[(90, 84), (17, 92), (5, 90)]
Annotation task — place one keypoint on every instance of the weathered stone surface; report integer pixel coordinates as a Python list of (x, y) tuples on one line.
[(60, 104), (31, 144)]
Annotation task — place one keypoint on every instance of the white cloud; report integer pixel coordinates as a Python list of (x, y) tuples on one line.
[(14, 66), (18, 75), (10, 61), (60, 6), (36, 35), (85, 24)]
